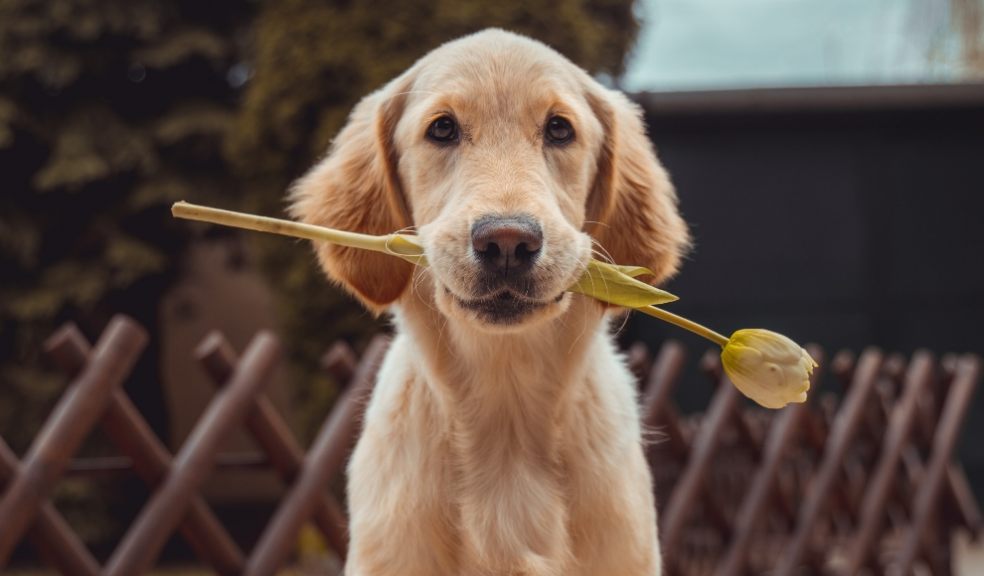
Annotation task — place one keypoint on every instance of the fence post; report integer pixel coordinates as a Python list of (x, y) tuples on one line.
[(785, 428), (49, 533), (76, 413), (954, 409), (692, 482), (917, 379), (330, 449), (143, 542), (656, 406), (841, 433), (275, 439), (127, 429)]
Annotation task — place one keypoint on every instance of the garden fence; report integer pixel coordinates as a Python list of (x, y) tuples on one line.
[(863, 480)]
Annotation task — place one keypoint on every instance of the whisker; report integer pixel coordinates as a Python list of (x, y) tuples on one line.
[(625, 322), (597, 248)]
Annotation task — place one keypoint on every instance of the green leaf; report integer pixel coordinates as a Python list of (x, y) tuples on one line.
[(617, 285)]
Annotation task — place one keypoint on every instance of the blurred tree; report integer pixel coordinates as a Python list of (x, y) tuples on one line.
[(312, 61), (109, 110)]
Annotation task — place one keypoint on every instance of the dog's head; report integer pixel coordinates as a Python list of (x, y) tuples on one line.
[(512, 164)]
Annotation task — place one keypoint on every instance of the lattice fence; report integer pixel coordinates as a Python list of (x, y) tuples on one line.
[(866, 482)]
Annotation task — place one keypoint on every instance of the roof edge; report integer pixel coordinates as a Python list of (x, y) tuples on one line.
[(814, 99)]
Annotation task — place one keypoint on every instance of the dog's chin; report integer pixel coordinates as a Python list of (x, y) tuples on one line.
[(504, 311)]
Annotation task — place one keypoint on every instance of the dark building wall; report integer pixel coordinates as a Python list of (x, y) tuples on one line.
[(831, 219)]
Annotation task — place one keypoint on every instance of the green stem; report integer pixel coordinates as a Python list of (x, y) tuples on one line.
[(277, 226), (682, 322)]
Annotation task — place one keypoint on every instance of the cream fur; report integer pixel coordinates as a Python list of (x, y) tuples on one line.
[(489, 449)]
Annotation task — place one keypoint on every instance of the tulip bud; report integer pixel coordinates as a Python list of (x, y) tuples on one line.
[(768, 367)]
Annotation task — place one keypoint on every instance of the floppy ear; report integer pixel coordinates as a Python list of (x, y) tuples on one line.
[(356, 188), (633, 200)]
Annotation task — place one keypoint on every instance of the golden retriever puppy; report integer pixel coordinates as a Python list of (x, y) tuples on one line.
[(503, 436)]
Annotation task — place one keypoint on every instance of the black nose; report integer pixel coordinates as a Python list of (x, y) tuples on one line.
[(507, 243)]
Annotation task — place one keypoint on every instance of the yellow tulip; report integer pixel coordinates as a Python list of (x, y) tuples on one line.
[(765, 366), (768, 367)]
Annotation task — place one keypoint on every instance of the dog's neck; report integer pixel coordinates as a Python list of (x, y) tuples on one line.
[(506, 400), (519, 382), (530, 370)]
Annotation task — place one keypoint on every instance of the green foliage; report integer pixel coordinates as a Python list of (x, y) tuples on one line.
[(109, 110)]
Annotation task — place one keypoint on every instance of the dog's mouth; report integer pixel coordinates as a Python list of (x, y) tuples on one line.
[(504, 307)]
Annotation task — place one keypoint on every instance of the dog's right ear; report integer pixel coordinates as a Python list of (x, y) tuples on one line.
[(633, 201), (356, 188)]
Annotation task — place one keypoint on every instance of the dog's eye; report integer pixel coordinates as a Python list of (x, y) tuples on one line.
[(558, 131), (444, 130)]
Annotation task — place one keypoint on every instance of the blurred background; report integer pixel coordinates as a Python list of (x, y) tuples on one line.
[(827, 153)]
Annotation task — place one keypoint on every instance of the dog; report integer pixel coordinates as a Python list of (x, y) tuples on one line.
[(503, 435)]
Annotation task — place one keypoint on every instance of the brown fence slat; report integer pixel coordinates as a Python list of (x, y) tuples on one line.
[(917, 379), (843, 430), (128, 430), (657, 409), (115, 466), (691, 483), (275, 438), (726, 512), (340, 362), (74, 416), (957, 402), (194, 461), (330, 450), (964, 503), (639, 361), (782, 435), (662, 381), (50, 534)]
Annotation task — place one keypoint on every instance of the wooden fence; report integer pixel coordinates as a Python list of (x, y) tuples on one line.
[(861, 481)]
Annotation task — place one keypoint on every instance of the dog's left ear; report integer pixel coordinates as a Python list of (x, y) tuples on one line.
[(633, 204), (356, 188)]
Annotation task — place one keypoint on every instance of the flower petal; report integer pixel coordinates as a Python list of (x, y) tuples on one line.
[(768, 367)]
